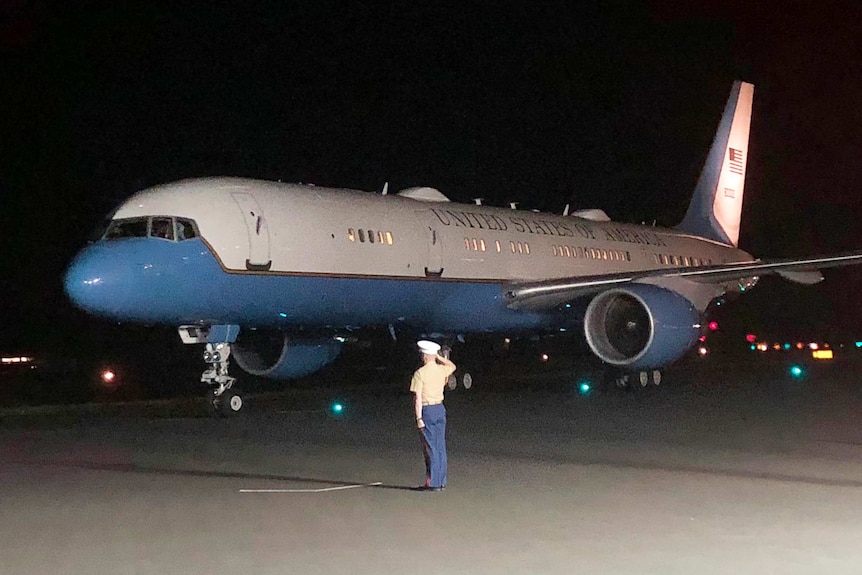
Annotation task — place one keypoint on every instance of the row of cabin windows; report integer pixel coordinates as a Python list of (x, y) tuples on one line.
[(592, 253), (478, 245), (163, 227), (672, 260), (369, 236)]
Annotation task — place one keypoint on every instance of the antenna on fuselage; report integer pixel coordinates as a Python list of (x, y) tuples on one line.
[(513, 205), (566, 210), (477, 201), (385, 189)]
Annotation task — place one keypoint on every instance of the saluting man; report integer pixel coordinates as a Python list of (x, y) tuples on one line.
[(427, 386)]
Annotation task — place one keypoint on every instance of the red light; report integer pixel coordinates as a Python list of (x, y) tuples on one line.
[(701, 339), (713, 325), (750, 338)]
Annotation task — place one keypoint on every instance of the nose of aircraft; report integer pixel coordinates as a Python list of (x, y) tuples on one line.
[(94, 281)]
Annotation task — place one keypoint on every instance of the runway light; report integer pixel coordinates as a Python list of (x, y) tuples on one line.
[(703, 351), (750, 338), (544, 357), (584, 387), (713, 326), (858, 344), (108, 376), (337, 408), (786, 346), (796, 371), (822, 354)]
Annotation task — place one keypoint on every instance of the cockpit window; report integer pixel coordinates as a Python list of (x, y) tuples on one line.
[(185, 229), (164, 227), (130, 228)]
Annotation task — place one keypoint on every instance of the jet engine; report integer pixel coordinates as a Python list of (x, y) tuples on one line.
[(277, 356), (641, 326)]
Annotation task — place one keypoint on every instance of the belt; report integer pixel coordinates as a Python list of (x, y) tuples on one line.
[(427, 404)]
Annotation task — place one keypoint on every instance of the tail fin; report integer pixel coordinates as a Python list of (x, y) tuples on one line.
[(715, 208)]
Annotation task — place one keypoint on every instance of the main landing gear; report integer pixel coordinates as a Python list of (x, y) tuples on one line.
[(223, 399), (633, 381)]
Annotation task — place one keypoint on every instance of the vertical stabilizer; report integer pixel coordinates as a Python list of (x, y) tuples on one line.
[(716, 207)]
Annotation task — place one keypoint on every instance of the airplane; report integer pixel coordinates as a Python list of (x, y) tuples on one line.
[(278, 275)]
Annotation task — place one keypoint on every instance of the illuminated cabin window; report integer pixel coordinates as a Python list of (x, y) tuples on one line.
[(351, 235), (512, 246), (467, 243), (499, 247), (379, 237), (526, 248), (475, 245), (566, 251), (686, 261), (389, 239)]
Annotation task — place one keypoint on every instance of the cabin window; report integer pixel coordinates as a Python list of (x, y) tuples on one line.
[(499, 248), (362, 235), (526, 248), (371, 236), (482, 245), (512, 245), (351, 235), (389, 240)]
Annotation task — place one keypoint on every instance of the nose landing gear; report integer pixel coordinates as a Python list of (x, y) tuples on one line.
[(223, 399)]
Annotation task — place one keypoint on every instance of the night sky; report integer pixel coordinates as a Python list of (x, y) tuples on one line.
[(610, 105)]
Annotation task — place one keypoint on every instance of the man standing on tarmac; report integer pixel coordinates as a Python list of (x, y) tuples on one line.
[(427, 386)]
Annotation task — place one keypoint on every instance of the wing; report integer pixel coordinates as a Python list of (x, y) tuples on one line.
[(550, 293)]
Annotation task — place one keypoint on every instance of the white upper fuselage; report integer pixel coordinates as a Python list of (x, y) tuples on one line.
[(301, 229)]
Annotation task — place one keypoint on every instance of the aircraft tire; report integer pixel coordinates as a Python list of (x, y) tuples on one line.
[(213, 404), (231, 402), (452, 382), (467, 380)]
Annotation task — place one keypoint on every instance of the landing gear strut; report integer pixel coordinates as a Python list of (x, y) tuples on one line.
[(223, 399)]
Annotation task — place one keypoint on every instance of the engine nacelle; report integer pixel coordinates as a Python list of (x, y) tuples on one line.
[(641, 326), (277, 356)]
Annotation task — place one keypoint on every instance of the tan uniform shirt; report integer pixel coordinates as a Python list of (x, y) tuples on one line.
[(429, 380)]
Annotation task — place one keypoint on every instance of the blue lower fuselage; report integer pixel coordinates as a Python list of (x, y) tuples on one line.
[(152, 281)]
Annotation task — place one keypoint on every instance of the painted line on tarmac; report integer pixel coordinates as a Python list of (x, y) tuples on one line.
[(320, 490)]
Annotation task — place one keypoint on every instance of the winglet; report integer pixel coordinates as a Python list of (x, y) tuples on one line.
[(716, 206)]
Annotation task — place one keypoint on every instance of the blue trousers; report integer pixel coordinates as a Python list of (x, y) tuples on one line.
[(434, 444)]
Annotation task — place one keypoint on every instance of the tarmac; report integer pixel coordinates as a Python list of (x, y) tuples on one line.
[(718, 470)]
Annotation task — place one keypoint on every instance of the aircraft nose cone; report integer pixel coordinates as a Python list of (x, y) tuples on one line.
[(92, 282)]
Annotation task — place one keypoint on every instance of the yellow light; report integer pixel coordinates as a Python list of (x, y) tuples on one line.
[(776, 346), (822, 354)]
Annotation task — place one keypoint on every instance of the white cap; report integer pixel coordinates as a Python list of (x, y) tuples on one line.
[(428, 347)]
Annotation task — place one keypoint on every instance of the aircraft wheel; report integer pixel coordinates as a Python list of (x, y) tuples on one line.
[(643, 378), (452, 383), (213, 404), (231, 402), (622, 381), (467, 381)]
